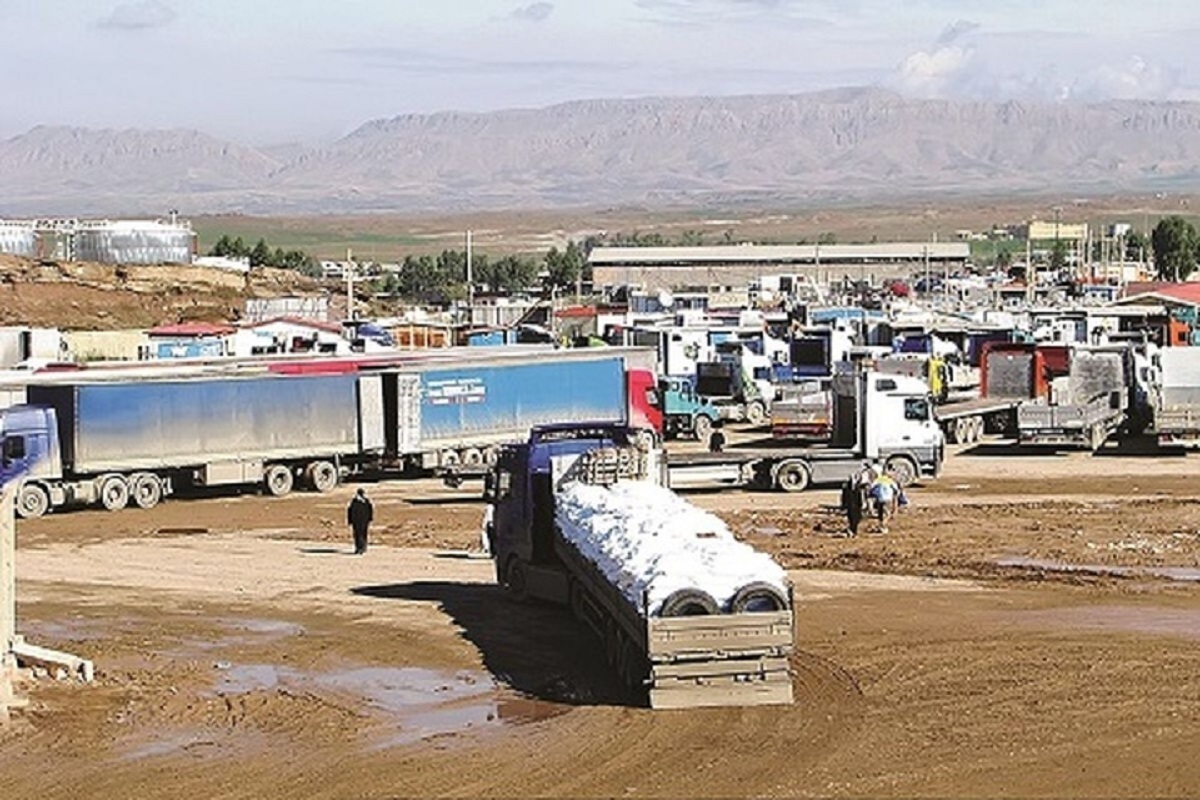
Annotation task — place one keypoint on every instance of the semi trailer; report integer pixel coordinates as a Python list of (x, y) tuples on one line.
[(136, 436), (687, 615), (884, 418)]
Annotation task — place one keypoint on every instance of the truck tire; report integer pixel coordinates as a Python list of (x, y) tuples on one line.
[(688, 603), (32, 501), (278, 480), (321, 476), (146, 490), (903, 469), (756, 413), (960, 431), (757, 597), (701, 427), (516, 579), (114, 492), (792, 476), (976, 429)]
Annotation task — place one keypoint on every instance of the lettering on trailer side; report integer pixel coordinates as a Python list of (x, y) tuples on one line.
[(456, 391)]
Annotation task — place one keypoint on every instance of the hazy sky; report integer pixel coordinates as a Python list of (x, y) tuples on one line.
[(265, 71)]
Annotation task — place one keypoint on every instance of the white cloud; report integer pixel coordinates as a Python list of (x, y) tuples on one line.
[(139, 15), (1134, 79)]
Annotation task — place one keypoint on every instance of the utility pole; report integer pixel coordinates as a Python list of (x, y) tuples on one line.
[(349, 284), (470, 285)]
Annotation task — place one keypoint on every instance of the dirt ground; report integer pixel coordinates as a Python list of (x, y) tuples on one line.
[(1029, 627)]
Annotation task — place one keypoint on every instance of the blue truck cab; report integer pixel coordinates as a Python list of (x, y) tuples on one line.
[(29, 451), (686, 412)]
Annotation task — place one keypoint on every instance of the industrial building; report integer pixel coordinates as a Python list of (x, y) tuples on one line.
[(169, 241), (726, 266)]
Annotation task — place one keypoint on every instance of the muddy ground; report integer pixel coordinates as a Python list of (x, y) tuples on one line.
[(1029, 626)]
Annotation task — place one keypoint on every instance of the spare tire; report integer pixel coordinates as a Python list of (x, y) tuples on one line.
[(688, 603), (758, 597)]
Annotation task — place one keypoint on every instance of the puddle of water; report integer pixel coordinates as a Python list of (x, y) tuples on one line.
[(1124, 619), (169, 745), (1189, 574), (422, 703), (275, 628)]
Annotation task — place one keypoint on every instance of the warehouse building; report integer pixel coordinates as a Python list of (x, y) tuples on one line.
[(729, 266)]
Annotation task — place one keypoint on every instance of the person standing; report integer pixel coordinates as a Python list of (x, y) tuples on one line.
[(852, 502), (716, 440), (883, 493), (359, 514)]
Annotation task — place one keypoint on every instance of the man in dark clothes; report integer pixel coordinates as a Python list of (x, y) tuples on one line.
[(852, 502), (359, 514), (716, 440)]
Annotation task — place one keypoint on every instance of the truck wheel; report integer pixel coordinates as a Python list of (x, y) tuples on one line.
[(757, 597), (903, 469), (114, 492), (278, 479), (322, 476), (960, 431), (516, 581), (472, 457), (688, 603), (701, 427), (147, 490), (32, 502), (792, 476), (976, 429), (756, 413)]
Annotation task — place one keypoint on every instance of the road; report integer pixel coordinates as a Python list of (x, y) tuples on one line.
[(1029, 626)]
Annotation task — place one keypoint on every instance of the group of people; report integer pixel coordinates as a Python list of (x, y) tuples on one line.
[(871, 491)]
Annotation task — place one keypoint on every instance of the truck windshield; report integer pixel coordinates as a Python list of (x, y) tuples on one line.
[(916, 409)]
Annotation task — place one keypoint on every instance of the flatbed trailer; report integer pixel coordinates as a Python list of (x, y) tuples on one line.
[(965, 421), (684, 660)]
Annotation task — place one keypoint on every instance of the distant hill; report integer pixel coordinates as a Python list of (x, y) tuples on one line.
[(843, 145)]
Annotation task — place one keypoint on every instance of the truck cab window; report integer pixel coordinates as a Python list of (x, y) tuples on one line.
[(916, 409), (14, 448)]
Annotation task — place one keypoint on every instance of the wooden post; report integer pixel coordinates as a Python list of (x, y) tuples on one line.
[(8, 598)]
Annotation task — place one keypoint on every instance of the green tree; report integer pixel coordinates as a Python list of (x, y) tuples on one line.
[(1004, 258), (564, 268), (1174, 242), (1058, 255), (1136, 245), (223, 247), (260, 256)]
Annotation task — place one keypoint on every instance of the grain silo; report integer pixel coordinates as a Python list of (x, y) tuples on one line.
[(18, 239), (135, 242)]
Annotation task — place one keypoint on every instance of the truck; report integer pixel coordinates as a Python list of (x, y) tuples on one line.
[(1010, 374), (684, 412), (689, 652), (116, 441), (731, 388), (885, 418), (804, 411), (1084, 406), (113, 437), (1174, 397)]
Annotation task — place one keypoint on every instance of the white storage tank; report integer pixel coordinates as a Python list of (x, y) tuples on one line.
[(135, 242), (18, 239)]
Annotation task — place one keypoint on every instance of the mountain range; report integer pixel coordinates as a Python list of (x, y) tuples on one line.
[(849, 145)]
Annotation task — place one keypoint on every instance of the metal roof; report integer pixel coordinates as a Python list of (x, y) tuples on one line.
[(776, 254)]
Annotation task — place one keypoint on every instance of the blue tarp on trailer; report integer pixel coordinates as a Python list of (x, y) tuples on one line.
[(509, 399)]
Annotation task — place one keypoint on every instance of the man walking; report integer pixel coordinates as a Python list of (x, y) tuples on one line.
[(359, 514)]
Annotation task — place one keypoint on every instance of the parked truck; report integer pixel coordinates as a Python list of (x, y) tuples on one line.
[(884, 418), (731, 388), (1010, 374), (115, 441), (684, 412), (1084, 406), (803, 412), (116, 436), (1174, 397), (687, 653)]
